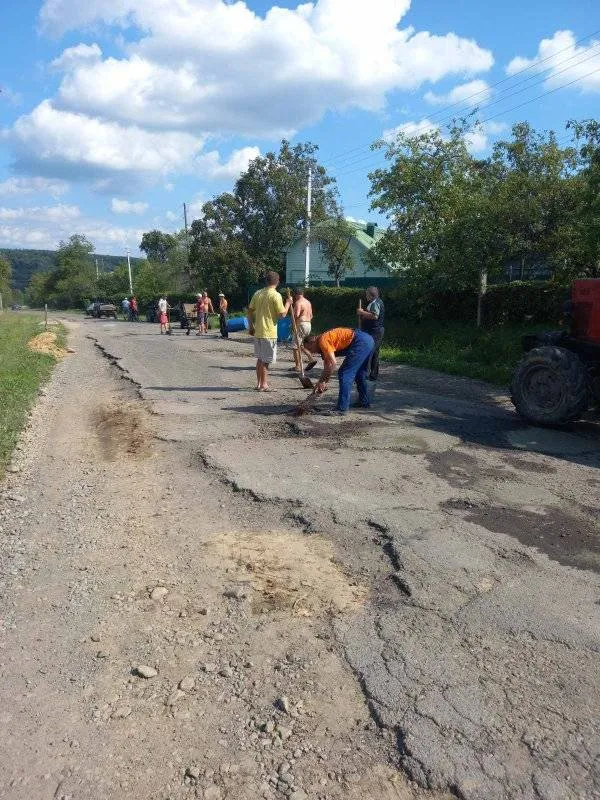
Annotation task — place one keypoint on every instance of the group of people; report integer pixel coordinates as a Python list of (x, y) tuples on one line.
[(129, 308), (203, 308), (359, 346)]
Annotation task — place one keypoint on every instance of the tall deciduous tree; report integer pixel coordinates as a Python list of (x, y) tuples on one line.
[(244, 233), (335, 237), (158, 245), (5, 279)]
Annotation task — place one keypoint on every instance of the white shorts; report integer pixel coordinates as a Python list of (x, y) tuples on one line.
[(266, 350), (304, 329)]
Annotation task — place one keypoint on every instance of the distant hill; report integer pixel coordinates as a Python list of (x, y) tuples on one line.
[(26, 262)]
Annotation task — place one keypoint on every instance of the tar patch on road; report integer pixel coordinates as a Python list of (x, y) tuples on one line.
[(122, 430), (562, 537)]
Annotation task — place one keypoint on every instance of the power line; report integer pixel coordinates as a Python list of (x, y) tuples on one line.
[(372, 159), (536, 64)]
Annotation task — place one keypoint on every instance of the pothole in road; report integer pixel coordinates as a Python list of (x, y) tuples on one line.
[(290, 572), (564, 538), (122, 430)]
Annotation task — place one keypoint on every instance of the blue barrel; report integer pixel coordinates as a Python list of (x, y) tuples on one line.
[(284, 330), (237, 324)]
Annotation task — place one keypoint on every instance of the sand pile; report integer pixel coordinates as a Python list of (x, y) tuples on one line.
[(46, 343)]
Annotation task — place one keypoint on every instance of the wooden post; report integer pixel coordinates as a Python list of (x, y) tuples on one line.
[(1, 306), (359, 317), (45, 316)]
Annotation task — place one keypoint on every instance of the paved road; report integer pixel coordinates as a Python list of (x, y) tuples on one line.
[(477, 536), (454, 552)]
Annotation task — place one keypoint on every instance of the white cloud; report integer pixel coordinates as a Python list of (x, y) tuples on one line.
[(172, 216), (478, 138), (211, 166), (359, 221), (127, 207), (76, 145), (77, 56), (410, 128), (218, 67), (564, 62), (55, 214), (35, 185), (45, 227), (473, 93)]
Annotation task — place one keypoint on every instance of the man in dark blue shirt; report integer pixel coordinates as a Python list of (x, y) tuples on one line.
[(372, 319)]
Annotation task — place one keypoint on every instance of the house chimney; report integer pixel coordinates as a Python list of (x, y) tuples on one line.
[(370, 229)]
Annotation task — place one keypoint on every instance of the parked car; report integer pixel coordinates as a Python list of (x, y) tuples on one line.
[(103, 309)]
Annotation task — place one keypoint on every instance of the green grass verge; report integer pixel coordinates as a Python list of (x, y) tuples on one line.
[(489, 354), (21, 374)]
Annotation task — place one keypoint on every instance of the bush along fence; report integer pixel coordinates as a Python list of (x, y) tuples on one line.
[(509, 304)]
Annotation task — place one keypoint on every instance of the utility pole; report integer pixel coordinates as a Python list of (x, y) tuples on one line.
[(97, 269), (308, 221), (129, 270)]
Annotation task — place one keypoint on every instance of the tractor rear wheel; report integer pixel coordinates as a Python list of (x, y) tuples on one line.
[(550, 386)]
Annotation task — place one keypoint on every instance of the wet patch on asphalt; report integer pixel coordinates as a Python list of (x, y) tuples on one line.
[(462, 470), (562, 537)]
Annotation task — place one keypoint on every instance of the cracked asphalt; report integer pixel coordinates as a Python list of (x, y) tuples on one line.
[(477, 648)]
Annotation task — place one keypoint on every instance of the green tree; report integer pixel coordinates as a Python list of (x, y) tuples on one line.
[(158, 245), (5, 279), (439, 201), (243, 233), (335, 237)]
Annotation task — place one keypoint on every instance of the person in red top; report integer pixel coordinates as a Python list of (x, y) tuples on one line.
[(356, 346), (133, 309)]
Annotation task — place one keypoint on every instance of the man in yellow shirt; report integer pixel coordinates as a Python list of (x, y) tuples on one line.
[(264, 312)]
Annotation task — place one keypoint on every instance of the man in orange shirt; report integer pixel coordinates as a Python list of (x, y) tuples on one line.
[(356, 347)]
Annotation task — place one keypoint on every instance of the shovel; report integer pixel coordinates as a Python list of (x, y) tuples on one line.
[(305, 406), (304, 379)]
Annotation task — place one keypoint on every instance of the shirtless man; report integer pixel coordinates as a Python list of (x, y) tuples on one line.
[(223, 315), (207, 308), (303, 314)]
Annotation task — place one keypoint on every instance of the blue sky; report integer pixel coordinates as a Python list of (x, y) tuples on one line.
[(115, 112)]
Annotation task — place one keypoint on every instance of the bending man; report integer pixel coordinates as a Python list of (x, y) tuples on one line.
[(356, 347)]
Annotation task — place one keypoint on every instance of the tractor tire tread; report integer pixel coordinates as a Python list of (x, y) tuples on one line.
[(572, 372)]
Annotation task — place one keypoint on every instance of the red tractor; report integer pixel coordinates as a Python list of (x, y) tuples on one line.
[(558, 379)]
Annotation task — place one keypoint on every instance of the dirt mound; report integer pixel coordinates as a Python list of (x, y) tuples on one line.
[(290, 572), (122, 430), (45, 343)]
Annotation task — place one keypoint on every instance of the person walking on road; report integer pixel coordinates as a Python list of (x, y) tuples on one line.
[(356, 346), (199, 313), (223, 315), (372, 322), (303, 314), (133, 309), (125, 308), (163, 306), (265, 310)]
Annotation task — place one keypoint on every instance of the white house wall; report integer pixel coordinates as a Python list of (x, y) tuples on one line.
[(294, 273)]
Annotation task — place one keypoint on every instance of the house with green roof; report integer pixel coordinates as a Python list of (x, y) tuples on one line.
[(365, 237)]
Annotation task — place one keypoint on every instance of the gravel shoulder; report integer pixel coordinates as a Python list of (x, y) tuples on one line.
[(397, 605)]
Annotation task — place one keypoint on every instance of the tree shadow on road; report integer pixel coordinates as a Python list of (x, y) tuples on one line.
[(489, 425)]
